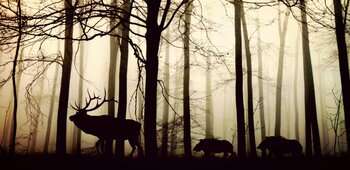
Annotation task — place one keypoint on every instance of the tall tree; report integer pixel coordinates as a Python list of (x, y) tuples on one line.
[(36, 116), (296, 71), (260, 82), (65, 80), (209, 117), (123, 70), (12, 146), (165, 120), (282, 34), (8, 124), (49, 118), (114, 43), (186, 83), (311, 127), (239, 81), (76, 146), (174, 123), (251, 127), (153, 32), (343, 64)]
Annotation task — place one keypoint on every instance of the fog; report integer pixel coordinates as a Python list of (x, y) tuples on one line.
[(212, 35)]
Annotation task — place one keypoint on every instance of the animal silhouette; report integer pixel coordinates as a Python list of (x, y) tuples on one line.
[(279, 146), (211, 145), (106, 127)]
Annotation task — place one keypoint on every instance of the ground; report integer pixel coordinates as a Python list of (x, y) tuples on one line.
[(50, 162)]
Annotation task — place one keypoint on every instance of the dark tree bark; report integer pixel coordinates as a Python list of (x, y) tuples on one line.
[(152, 47), (251, 127), (65, 81), (239, 81), (282, 33), (8, 124), (311, 126), (123, 72), (12, 147), (114, 43), (186, 85), (343, 65)]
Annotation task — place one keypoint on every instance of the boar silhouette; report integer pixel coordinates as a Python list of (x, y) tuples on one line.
[(210, 146), (279, 146)]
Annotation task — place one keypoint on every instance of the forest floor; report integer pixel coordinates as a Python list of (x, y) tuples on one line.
[(49, 162)]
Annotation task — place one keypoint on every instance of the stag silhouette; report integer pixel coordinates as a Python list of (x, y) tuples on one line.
[(106, 127)]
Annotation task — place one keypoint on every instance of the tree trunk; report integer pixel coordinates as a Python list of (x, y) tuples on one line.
[(65, 81), (114, 43), (296, 107), (152, 47), (12, 150), (261, 85), (123, 73), (76, 131), (165, 121), (311, 126), (49, 118), (209, 117), (282, 33), (174, 125), (239, 81), (343, 65), (8, 125), (35, 119), (251, 127), (186, 85)]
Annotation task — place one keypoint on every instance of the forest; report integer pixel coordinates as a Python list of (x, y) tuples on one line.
[(224, 81)]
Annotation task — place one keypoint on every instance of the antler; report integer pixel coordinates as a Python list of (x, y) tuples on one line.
[(88, 102)]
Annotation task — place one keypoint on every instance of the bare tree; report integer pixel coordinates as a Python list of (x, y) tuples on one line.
[(165, 119), (239, 80), (76, 146), (114, 45), (343, 62), (311, 126), (261, 87), (12, 150), (153, 33), (123, 72), (251, 128), (282, 34), (186, 85), (51, 109), (296, 70), (65, 80)]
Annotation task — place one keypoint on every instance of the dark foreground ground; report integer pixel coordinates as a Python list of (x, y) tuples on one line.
[(100, 163)]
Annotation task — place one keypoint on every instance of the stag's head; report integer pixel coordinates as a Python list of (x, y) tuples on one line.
[(82, 111)]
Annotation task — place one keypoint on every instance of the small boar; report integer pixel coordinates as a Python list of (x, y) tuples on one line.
[(279, 146), (210, 146)]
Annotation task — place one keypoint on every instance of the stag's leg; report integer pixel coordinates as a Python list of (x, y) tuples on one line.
[(139, 149), (134, 143), (100, 145), (133, 146)]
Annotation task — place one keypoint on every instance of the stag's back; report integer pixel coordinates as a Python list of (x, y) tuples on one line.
[(107, 127)]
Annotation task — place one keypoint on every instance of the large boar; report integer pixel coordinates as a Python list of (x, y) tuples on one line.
[(211, 146), (279, 146)]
